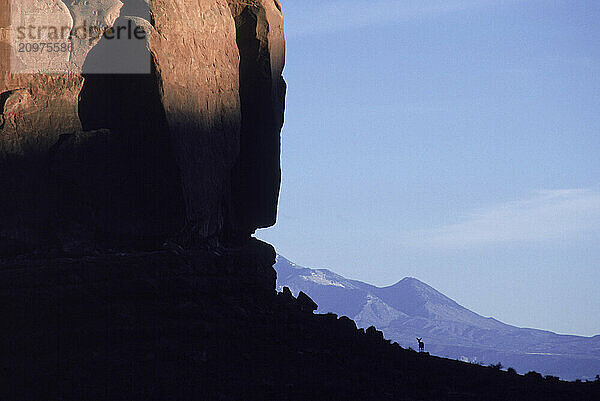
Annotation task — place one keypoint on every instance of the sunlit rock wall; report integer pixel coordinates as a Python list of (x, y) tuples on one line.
[(92, 155)]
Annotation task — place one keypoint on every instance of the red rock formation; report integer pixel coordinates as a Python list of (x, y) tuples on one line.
[(189, 151)]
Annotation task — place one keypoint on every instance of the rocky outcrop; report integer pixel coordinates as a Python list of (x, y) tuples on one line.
[(260, 39), (161, 325), (187, 151)]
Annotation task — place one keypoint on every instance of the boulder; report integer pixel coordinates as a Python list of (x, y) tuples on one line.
[(306, 303), (287, 293), (374, 334)]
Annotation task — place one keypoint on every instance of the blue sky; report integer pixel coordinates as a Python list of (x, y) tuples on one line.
[(454, 141)]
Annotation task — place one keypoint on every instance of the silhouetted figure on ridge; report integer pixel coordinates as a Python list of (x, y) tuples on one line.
[(421, 344)]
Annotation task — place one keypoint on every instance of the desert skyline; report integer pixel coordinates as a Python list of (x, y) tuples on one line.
[(451, 141)]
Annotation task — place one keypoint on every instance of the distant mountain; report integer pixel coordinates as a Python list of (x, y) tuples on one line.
[(411, 308)]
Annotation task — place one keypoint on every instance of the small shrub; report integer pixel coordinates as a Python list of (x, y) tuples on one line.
[(598, 378), (532, 374), (496, 366), (512, 371), (551, 378)]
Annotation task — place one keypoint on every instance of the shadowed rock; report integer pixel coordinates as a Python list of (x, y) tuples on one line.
[(256, 176)]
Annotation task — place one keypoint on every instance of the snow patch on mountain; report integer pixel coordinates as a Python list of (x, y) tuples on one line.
[(319, 277)]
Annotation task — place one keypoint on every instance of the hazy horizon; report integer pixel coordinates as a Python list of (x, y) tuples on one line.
[(452, 141)]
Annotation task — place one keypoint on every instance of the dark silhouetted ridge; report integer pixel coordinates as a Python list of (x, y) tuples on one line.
[(411, 308)]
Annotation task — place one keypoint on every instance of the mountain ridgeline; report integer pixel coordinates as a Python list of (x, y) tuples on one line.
[(411, 308)]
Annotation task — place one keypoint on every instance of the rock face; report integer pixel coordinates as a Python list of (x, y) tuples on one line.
[(188, 151), (260, 39)]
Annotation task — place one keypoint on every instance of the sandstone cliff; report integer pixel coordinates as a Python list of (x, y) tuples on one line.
[(188, 151)]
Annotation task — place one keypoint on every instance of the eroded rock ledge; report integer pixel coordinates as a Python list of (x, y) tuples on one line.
[(187, 153)]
